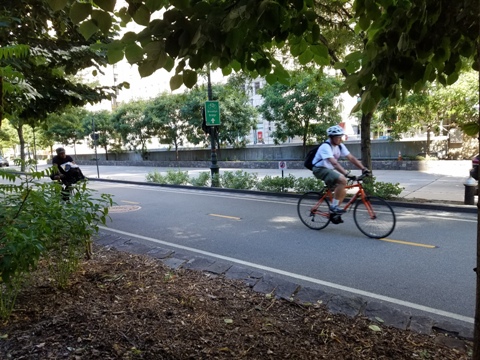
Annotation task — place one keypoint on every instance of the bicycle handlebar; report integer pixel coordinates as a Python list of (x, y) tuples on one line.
[(359, 178)]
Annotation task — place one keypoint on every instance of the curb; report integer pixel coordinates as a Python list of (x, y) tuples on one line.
[(471, 209), (376, 311)]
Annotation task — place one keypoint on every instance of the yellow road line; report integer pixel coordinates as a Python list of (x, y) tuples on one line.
[(130, 202), (226, 217), (408, 243)]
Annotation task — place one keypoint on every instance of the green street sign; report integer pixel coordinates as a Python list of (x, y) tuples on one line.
[(212, 113)]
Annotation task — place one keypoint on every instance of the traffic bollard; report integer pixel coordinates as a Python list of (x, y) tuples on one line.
[(470, 190)]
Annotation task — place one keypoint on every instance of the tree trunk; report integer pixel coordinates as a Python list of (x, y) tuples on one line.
[(365, 125), (21, 139), (476, 325), (1, 100)]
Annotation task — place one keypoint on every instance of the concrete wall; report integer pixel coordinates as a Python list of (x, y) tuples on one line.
[(381, 149)]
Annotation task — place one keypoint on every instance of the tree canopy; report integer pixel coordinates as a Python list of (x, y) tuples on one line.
[(306, 108)]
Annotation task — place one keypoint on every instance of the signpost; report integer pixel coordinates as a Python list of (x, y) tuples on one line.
[(212, 112)]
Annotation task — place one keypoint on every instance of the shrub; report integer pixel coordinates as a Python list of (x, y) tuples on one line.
[(238, 180), (382, 189), (37, 224), (173, 177), (203, 179), (303, 185), (156, 177), (177, 177), (276, 183)]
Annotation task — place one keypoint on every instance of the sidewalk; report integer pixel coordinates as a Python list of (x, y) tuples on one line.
[(439, 184)]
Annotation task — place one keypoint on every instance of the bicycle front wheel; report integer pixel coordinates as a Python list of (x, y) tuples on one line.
[(374, 217), (314, 210)]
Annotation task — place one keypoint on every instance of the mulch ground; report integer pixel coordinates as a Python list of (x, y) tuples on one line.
[(124, 306)]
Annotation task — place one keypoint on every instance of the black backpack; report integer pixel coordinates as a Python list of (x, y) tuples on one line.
[(308, 163), (73, 175)]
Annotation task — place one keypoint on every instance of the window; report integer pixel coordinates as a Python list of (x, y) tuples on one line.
[(256, 87)]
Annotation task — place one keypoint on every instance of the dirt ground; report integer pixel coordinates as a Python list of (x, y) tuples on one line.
[(124, 306)]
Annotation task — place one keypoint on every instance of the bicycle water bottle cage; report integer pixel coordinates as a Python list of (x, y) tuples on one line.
[(336, 219)]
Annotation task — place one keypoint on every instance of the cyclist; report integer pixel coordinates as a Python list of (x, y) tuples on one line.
[(327, 167), (57, 162), (66, 171)]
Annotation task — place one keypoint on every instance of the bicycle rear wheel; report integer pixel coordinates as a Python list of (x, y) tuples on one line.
[(374, 217), (313, 210)]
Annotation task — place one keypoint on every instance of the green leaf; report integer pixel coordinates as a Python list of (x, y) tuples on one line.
[(202, 8), (142, 15), (133, 53), (189, 78), (354, 56), (299, 48), (103, 20), (114, 55), (227, 71), (375, 328), (87, 29), (271, 78), (320, 60), (79, 12), (306, 57), (471, 128), (176, 81), (452, 78), (124, 15), (107, 5), (154, 5), (169, 64), (236, 65), (57, 5), (320, 50), (146, 68), (364, 23), (180, 4), (129, 37)]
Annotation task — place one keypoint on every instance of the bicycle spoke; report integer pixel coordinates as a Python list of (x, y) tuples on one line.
[(375, 217), (313, 210)]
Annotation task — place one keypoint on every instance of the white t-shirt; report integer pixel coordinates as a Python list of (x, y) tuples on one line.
[(327, 151)]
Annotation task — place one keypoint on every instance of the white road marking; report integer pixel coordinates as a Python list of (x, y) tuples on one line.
[(304, 278)]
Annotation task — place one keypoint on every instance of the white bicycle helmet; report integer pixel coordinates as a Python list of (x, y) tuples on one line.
[(335, 131)]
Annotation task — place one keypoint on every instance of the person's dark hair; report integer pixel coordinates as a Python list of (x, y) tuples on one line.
[(60, 150)]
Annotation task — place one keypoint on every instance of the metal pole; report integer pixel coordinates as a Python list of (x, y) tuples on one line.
[(34, 149), (95, 145), (214, 168)]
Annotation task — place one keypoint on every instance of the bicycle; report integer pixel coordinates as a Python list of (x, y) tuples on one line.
[(373, 216)]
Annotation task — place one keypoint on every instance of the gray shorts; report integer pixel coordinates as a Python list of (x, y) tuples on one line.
[(329, 176)]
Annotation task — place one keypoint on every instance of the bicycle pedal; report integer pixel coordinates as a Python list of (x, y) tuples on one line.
[(336, 219)]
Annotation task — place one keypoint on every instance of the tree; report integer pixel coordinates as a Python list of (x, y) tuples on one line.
[(8, 137), (237, 116), (56, 52), (108, 138), (306, 107), (436, 108), (130, 122), (163, 116), (66, 128)]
